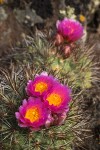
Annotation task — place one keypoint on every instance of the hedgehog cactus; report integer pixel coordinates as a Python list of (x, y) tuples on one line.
[(77, 67), (57, 120), (76, 64), (73, 57), (36, 111)]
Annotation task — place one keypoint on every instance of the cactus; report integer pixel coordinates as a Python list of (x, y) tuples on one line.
[(40, 52), (77, 67), (12, 91)]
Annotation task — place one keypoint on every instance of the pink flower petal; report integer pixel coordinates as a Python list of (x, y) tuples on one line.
[(70, 29), (17, 114)]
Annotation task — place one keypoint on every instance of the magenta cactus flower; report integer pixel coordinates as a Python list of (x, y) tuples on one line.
[(70, 29), (32, 114), (58, 98), (41, 84), (48, 105)]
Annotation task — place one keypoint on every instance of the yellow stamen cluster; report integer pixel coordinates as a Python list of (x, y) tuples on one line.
[(54, 99), (32, 114), (41, 87), (82, 18)]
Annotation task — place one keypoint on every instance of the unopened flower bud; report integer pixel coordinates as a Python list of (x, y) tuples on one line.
[(59, 39), (67, 51)]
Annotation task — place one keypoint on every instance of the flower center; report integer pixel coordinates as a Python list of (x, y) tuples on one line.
[(32, 114), (54, 99), (41, 87)]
